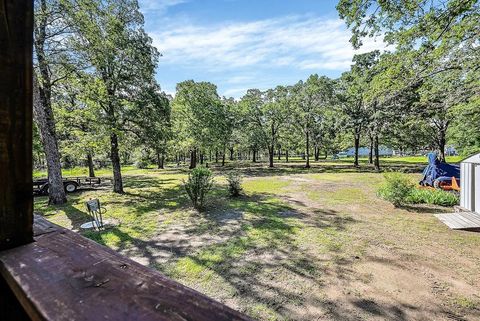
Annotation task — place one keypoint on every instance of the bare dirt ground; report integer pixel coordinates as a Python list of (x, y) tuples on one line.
[(409, 267)]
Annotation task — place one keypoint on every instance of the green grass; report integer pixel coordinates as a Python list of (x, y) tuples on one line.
[(419, 159), (465, 303), (433, 196), (137, 210), (264, 185)]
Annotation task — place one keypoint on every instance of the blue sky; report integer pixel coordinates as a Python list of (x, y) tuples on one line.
[(242, 44)]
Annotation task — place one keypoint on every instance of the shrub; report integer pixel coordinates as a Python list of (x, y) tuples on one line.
[(198, 185), (234, 183), (141, 159), (141, 164), (433, 196), (397, 188)]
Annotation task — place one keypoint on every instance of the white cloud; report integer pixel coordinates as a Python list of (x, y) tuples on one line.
[(295, 41), (149, 6)]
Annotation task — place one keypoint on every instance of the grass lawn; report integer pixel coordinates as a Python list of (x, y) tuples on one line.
[(415, 160), (298, 245)]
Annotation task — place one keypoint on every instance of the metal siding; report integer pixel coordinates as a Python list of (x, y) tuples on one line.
[(465, 189), (476, 189)]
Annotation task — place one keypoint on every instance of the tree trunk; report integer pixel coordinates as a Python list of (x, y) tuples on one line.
[(317, 153), (271, 152), (201, 158), (223, 156), (43, 113), (357, 146), (271, 149), (216, 156), (117, 168), (307, 152), (441, 145), (160, 160), (377, 156), (370, 152), (231, 153), (279, 154), (193, 158), (286, 155), (254, 158), (91, 169)]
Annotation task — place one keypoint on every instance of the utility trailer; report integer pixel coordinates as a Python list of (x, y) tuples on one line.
[(71, 184)]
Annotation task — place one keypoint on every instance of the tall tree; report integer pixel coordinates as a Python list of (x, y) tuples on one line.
[(121, 58), (438, 97), (310, 101), (199, 118), (153, 128), (79, 134), (351, 91), (267, 112), (49, 30)]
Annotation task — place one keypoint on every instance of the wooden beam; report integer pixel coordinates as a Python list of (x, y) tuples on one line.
[(10, 308), (64, 276), (16, 202)]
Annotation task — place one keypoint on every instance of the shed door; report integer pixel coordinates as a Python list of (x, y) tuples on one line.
[(476, 189)]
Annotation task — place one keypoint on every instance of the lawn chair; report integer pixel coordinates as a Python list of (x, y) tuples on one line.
[(96, 212)]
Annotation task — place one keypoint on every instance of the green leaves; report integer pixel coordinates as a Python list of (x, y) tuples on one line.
[(201, 118)]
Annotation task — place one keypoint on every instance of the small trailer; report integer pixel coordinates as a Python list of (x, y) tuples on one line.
[(71, 184)]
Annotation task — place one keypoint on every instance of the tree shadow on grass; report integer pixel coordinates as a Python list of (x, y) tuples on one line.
[(426, 209), (261, 239), (262, 169), (75, 216)]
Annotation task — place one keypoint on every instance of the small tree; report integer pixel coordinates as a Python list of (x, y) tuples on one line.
[(234, 184), (198, 185), (396, 189)]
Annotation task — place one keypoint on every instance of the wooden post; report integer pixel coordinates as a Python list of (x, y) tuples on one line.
[(16, 201)]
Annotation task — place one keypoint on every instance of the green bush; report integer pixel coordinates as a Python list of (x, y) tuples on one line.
[(141, 164), (141, 159), (397, 188), (234, 183), (198, 185), (433, 196)]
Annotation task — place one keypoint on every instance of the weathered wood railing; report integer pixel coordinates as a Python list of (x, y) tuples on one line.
[(48, 272)]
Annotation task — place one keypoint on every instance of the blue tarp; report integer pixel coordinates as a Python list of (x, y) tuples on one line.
[(437, 170)]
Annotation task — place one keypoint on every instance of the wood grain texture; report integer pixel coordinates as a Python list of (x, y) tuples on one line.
[(68, 277), (16, 202), (468, 221)]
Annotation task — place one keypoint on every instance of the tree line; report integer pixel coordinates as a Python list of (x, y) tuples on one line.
[(97, 102)]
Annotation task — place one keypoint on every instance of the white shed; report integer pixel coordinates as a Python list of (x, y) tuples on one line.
[(470, 183)]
